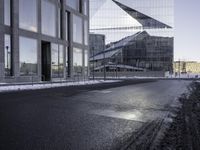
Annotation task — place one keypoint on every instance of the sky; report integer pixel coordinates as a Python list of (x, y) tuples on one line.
[(187, 30)]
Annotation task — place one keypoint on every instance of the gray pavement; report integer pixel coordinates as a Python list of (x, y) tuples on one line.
[(82, 118)]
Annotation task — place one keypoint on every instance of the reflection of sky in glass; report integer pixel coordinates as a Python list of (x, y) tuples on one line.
[(48, 18), (86, 58), (77, 29), (28, 50), (77, 57), (7, 12), (28, 14), (106, 14)]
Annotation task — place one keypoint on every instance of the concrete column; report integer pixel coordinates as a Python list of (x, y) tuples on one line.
[(39, 39), (63, 34), (15, 37), (71, 46), (1, 40), (83, 48)]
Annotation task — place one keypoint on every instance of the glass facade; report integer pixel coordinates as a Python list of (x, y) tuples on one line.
[(73, 4), (137, 33), (57, 59), (85, 7), (40, 49), (7, 54), (67, 25), (48, 11), (28, 15), (7, 12), (117, 20), (28, 56), (67, 61), (59, 23), (86, 32), (77, 29), (86, 61), (78, 60)]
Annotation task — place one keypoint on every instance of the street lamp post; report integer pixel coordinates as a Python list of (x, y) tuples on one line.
[(7, 47), (93, 61), (104, 70)]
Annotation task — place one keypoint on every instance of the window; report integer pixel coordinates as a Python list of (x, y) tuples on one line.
[(86, 62), (57, 59), (67, 61), (28, 56), (77, 29), (61, 61), (86, 32), (7, 55), (28, 15), (85, 7), (48, 18), (59, 23), (77, 60), (7, 12), (73, 4), (67, 25)]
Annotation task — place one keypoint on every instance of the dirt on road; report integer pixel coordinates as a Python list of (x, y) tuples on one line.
[(184, 132), (181, 133)]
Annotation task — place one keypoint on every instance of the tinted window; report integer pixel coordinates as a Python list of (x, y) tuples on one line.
[(28, 56), (28, 15)]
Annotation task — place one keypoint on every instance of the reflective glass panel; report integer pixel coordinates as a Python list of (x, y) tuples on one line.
[(61, 61), (28, 15), (86, 32), (59, 23), (67, 26), (85, 7), (73, 4), (138, 33), (57, 61), (86, 62), (28, 56), (7, 12), (7, 55), (54, 60), (77, 60), (77, 29), (48, 18), (67, 61)]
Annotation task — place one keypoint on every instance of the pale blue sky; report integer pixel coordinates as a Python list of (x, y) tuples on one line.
[(187, 29)]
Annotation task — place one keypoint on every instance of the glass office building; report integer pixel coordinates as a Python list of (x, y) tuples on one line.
[(119, 20), (43, 40)]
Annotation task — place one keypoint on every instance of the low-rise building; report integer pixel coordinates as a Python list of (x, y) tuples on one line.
[(186, 67)]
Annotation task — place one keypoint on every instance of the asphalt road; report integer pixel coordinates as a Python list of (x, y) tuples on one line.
[(98, 117)]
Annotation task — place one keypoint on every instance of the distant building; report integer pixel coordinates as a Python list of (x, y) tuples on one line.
[(141, 51), (96, 43), (186, 67)]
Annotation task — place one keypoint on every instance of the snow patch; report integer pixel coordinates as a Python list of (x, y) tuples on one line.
[(7, 88)]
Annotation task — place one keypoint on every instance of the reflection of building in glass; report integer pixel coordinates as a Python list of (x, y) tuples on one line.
[(96, 43), (40, 39), (123, 23), (141, 51)]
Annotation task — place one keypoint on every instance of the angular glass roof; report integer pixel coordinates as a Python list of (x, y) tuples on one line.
[(145, 20)]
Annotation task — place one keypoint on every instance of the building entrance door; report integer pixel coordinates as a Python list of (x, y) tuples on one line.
[(46, 61)]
